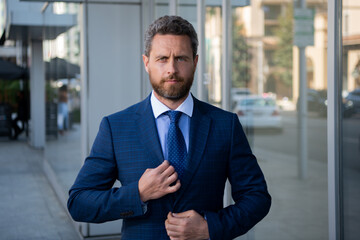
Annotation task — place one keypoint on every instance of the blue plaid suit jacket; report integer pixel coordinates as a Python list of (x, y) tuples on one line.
[(127, 144)]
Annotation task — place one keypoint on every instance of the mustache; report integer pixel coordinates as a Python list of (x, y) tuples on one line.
[(172, 77)]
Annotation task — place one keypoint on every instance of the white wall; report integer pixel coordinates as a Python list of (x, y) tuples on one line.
[(114, 67), (111, 71)]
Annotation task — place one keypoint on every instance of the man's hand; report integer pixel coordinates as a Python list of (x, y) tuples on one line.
[(155, 182), (186, 225)]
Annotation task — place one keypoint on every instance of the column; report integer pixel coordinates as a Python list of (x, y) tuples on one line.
[(37, 95)]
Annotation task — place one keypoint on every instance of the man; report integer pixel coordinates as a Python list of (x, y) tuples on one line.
[(22, 115), (171, 190), (63, 110)]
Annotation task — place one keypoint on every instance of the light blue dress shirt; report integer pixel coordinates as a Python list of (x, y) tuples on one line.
[(163, 121)]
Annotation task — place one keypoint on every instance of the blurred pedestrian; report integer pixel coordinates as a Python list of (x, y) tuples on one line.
[(63, 110), (22, 115)]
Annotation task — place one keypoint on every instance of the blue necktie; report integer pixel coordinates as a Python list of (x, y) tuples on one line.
[(177, 152)]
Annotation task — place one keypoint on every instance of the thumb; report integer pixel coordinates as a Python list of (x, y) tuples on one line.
[(185, 214)]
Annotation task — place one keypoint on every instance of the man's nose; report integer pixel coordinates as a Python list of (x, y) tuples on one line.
[(172, 67)]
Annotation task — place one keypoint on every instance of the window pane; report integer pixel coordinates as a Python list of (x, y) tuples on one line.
[(213, 41), (62, 67), (161, 8), (265, 95), (351, 119), (272, 11)]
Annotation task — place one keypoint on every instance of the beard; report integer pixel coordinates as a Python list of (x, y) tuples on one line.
[(173, 92)]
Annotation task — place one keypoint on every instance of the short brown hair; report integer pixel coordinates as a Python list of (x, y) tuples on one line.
[(174, 25)]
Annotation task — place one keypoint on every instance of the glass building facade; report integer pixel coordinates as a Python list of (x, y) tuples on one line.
[(349, 88), (289, 70)]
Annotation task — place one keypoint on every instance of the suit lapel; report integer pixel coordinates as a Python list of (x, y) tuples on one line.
[(148, 132), (199, 131)]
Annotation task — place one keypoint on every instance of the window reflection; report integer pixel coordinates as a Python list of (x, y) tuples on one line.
[(272, 11), (350, 106), (62, 68), (265, 80), (213, 32)]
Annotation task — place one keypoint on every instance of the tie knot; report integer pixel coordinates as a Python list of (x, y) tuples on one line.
[(174, 116)]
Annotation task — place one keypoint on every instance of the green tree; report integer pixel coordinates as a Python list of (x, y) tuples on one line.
[(241, 57), (283, 56)]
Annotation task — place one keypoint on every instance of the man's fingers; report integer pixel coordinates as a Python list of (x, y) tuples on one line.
[(168, 171), (185, 214), (172, 220), (173, 234), (163, 166), (172, 178), (186, 225), (175, 187), (172, 228)]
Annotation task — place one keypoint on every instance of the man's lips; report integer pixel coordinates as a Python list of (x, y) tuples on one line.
[(172, 81)]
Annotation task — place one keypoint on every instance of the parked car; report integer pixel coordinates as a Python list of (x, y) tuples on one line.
[(239, 93), (259, 112), (354, 97), (317, 102)]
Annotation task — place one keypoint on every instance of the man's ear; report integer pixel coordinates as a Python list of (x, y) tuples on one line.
[(146, 62)]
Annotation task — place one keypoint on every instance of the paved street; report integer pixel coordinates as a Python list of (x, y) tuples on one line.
[(302, 204), (287, 141), (299, 208), (29, 209)]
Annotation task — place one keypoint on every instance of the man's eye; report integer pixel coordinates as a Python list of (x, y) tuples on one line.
[(163, 59), (180, 59)]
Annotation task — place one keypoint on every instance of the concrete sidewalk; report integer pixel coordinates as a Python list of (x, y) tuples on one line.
[(299, 208), (29, 208)]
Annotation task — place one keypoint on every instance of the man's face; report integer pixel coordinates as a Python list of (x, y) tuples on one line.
[(171, 66)]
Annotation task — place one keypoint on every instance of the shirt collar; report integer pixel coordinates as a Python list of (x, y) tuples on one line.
[(159, 108)]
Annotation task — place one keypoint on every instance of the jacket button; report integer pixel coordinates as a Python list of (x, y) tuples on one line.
[(127, 214)]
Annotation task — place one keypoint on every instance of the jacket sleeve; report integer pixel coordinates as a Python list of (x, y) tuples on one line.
[(93, 198), (249, 191)]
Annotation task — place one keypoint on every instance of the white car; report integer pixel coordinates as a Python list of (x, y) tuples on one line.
[(237, 93), (258, 112)]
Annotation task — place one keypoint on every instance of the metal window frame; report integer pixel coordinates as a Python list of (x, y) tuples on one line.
[(201, 49), (334, 72), (226, 54), (173, 7), (147, 17)]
